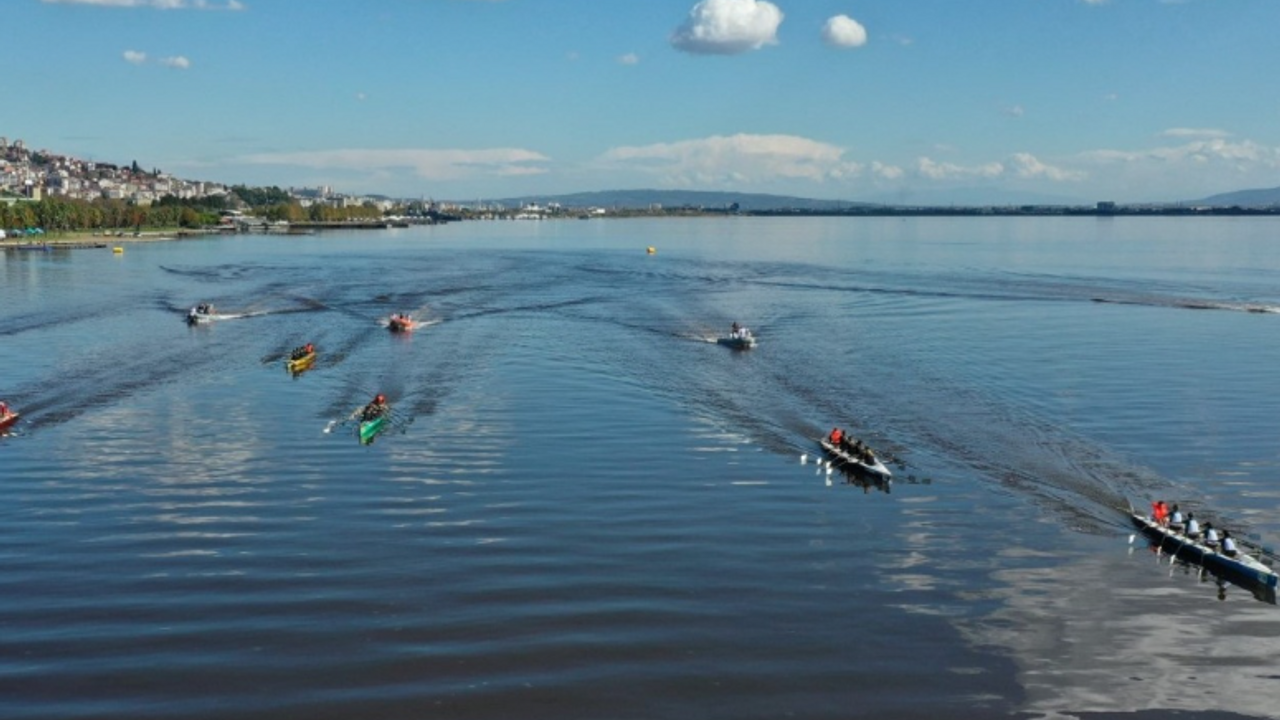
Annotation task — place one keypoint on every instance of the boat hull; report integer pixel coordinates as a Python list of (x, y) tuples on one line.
[(301, 364), (737, 343), (400, 326), (369, 429), (875, 469), (1243, 569)]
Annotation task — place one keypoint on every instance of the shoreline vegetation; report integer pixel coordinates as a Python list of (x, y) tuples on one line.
[(271, 222), (109, 238)]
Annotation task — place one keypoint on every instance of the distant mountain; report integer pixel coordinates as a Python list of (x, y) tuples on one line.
[(670, 199), (973, 197), (1243, 198)]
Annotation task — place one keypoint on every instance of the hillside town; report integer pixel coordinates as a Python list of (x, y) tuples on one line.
[(27, 174)]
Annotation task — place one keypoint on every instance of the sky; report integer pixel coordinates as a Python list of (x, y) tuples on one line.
[(932, 101)]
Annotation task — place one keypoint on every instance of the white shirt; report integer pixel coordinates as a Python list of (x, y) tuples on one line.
[(1193, 527), (1228, 546), (1211, 535)]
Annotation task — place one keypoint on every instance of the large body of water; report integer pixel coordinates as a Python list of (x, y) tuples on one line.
[(587, 510)]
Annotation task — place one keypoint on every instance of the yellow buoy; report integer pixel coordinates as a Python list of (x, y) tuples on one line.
[(651, 250), (117, 250)]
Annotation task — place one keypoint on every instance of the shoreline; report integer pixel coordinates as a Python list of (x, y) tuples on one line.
[(76, 239)]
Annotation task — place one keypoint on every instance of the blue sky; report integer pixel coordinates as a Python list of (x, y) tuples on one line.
[(903, 100)]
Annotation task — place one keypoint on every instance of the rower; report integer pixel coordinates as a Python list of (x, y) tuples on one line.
[(375, 409), (1228, 544), (1193, 526), (836, 435), (1210, 535), (1175, 519), (4, 409)]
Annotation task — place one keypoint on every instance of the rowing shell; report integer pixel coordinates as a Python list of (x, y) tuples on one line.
[(875, 467), (369, 429), (1242, 569), (303, 363)]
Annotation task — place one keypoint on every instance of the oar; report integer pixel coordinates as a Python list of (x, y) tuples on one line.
[(1259, 549), (329, 427)]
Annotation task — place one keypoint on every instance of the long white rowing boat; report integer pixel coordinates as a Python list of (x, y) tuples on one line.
[(1242, 568), (847, 460)]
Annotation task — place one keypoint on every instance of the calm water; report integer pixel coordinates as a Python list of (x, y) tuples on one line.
[(588, 510)]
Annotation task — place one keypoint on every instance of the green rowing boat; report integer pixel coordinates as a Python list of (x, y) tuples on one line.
[(369, 429)]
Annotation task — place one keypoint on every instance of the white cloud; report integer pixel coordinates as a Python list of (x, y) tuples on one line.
[(728, 27), (177, 62), (426, 164), (948, 171), (1014, 111), (135, 57), (157, 4), (629, 59), (1194, 133), (887, 172), (1245, 155), (1027, 166), (843, 31), (736, 159)]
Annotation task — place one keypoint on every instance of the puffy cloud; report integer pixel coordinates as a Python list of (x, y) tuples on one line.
[(427, 164), (629, 59), (934, 170), (736, 159), (728, 27), (1014, 111), (886, 172), (843, 31), (135, 57), (177, 62), (157, 4), (1027, 166)]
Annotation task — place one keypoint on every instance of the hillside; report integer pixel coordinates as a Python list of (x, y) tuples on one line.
[(1269, 197)]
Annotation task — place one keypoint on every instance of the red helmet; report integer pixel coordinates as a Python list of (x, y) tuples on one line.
[(381, 398)]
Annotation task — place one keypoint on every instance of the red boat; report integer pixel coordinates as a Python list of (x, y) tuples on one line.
[(7, 420)]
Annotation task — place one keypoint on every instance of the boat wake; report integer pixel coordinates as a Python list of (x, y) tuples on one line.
[(1191, 304)]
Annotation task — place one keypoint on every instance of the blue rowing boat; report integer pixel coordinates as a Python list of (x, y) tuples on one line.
[(1242, 569)]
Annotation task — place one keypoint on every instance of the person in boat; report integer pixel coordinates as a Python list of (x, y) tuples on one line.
[(1160, 512), (1229, 544), (836, 436), (1193, 526), (734, 328), (1175, 517), (1210, 535), (4, 409), (375, 409)]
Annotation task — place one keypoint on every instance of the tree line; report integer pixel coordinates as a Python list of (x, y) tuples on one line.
[(57, 214)]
